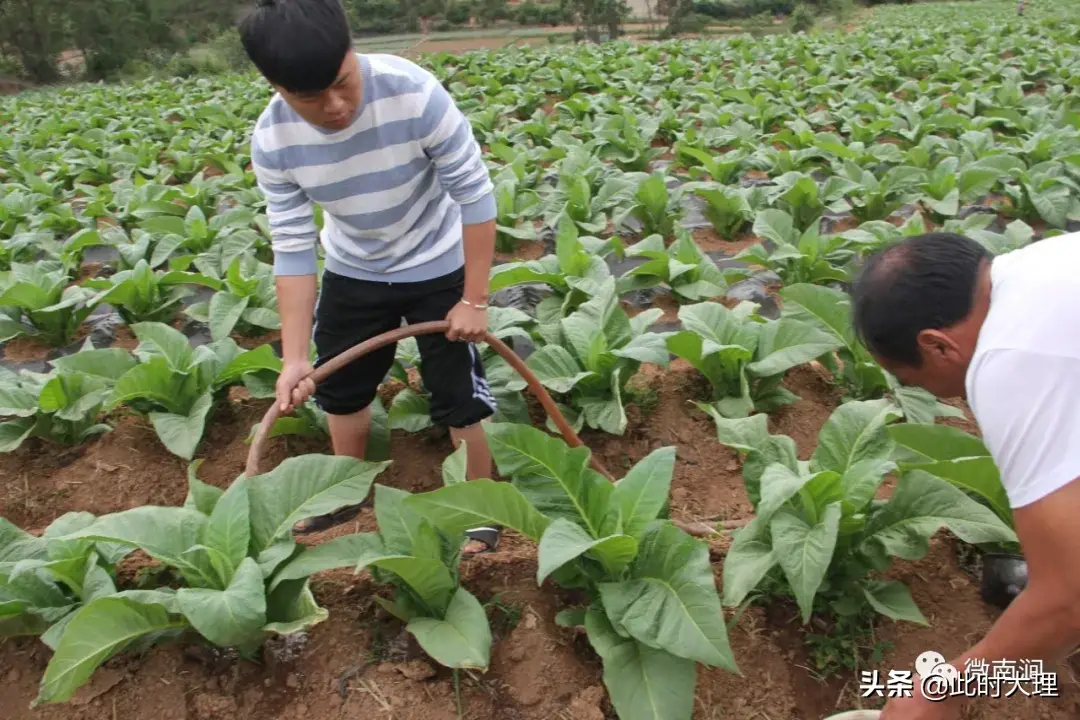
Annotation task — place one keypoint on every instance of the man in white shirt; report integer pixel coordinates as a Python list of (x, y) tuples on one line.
[(941, 313)]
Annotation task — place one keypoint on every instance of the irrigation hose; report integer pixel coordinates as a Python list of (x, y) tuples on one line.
[(258, 444)]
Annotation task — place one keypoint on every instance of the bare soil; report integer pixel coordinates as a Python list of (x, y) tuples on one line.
[(525, 250), (25, 349), (360, 664), (710, 241)]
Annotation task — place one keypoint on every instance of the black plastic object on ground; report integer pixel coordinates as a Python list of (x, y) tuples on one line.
[(1004, 576)]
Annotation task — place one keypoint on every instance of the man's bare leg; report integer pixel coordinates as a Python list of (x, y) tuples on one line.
[(348, 435), (478, 464), (478, 461)]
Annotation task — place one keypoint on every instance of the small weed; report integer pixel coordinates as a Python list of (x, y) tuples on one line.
[(504, 616), (646, 398), (849, 646), (379, 648)]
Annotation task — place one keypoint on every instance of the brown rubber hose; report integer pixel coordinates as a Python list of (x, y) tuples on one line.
[(258, 445)]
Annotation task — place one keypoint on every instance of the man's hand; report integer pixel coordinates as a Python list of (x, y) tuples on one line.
[(467, 323), (918, 707), (294, 386)]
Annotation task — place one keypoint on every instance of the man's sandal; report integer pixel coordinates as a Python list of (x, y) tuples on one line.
[(323, 523), (488, 536)]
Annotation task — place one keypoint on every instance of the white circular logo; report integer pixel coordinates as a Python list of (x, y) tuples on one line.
[(926, 662), (938, 677)]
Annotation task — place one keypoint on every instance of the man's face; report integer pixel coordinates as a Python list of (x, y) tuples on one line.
[(943, 367), (335, 107)]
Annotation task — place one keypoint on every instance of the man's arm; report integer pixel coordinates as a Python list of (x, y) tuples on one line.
[(294, 235), (1026, 407), (448, 140), (1043, 623)]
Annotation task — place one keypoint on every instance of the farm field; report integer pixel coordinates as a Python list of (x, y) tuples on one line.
[(678, 223)]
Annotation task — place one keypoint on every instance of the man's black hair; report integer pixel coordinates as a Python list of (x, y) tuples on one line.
[(297, 44), (922, 283)]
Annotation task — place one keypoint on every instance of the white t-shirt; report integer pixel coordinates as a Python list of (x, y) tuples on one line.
[(1023, 384)]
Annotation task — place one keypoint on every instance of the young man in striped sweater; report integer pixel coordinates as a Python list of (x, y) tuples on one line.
[(408, 232)]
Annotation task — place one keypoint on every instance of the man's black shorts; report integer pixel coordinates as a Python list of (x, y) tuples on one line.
[(350, 311)]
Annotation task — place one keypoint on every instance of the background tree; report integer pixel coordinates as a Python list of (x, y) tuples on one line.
[(594, 16), (675, 11)]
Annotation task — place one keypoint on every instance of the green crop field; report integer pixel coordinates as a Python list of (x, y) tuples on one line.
[(678, 225)]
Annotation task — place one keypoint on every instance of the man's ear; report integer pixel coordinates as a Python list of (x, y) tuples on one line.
[(938, 345)]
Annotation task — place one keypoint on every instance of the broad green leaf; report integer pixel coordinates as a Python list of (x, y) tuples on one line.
[(641, 322), (504, 276), (563, 541), (804, 552), (938, 442), (225, 311), (861, 481), (345, 551), (200, 497), (457, 508), (97, 632), (155, 381), (399, 525), (229, 528), (855, 431), (16, 400), (523, 451), (265, 318), (170, 343), (776, 226), (207, 567), (455, 467), (778, 485), (164, 533), (826, 306), (109, 363), (181, 434), (785, 343), (671, 601), (921, 505), (640, 496), (606, 413), (378, 443), (557, 369), (978, 476), (409, 411), (644, 683), (261, 358), (291, 608), (13, 433), (649, 348), (429, 578), (462, 639), (893, 600), (232, 617), (16, 544), (302, 488), (165, 225), (919, 406), (746, 563)]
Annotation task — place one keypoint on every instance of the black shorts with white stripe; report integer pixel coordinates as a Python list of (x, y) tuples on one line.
[(351, 311)]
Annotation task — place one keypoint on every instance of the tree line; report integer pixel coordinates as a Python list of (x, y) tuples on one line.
[(45, 40)]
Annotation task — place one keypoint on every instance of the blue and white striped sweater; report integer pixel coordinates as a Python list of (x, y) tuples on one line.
[(395, 186)]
